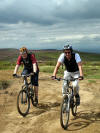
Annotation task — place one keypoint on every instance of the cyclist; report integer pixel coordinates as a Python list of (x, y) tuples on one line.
[(30, 66), (73, 68)]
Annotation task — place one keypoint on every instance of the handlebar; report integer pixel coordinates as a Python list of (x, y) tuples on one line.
[(71, 79), (27, 75), (19, 76)]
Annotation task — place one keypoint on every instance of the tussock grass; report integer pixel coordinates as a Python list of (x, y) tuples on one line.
[(4, 84)]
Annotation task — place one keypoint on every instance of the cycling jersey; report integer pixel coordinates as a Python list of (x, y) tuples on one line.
[(70, 65), (28, 62)]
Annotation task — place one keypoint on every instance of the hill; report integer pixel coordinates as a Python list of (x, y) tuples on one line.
[(6, 54), (48, 54), (47, 60)]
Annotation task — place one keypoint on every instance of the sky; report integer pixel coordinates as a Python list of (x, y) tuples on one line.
[(50, 24)]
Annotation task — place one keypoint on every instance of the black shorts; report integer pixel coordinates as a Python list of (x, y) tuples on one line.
[(34, 78)]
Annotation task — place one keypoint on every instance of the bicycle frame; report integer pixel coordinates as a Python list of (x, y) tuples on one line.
[(67, 103), (70, 94)]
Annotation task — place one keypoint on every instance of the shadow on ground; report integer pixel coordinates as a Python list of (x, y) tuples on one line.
[(84, 119), (44, 107)]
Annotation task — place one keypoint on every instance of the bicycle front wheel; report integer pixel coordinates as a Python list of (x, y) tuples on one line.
[(23, 103), (65, 111)]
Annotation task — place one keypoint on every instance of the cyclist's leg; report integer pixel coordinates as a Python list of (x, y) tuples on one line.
[(65, 86), (76, 91), (76, 87), (36, 93), (75, 83), (34, 80)]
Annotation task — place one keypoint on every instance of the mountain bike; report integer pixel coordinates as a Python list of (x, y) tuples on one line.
[(25, 95), (68, 102)]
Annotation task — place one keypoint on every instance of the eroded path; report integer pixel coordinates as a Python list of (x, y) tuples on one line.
[(45, 118)]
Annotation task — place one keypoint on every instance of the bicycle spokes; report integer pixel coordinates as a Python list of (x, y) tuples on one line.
[(24, 98)]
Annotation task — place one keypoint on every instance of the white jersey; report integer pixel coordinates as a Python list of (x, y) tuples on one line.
[(61, 58)]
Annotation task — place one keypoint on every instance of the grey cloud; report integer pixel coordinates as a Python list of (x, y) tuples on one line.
[(50, 23), (28, 11), (88, 44), (47, 12), (80, 9)]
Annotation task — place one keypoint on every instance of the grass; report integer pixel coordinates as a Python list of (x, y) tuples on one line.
[(92, 69), (47, 61), (50, 69), (91, 81), (5, 65)]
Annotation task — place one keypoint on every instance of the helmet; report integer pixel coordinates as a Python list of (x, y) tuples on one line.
[(23, 50), (68, 47)]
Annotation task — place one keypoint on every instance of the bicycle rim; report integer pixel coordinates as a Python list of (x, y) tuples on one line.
[(74, 108), (23, 103), (64, 113)]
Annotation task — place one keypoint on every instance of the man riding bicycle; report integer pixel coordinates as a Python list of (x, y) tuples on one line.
[(73, 68), (30, 66)]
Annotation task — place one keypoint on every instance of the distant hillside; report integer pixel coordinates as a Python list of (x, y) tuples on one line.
[(6, 54), (45, 55)]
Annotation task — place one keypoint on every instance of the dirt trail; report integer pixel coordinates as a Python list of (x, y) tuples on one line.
[(45, 118)]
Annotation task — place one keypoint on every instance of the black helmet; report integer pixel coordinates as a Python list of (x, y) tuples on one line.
[(68, 47)]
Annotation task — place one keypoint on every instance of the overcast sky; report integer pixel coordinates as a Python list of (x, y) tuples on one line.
[(50, 24)]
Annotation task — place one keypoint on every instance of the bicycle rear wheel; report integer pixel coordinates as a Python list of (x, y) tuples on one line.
[(23, 103), (64, 112), (74, 107)]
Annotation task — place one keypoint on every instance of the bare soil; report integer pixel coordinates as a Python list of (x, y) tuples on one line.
[(45, 118)]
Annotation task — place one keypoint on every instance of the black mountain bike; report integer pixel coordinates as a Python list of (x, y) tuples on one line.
[(25, 95), (68, 102)]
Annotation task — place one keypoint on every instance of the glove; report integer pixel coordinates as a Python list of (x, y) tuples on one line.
[(81, 77), (14, 75)]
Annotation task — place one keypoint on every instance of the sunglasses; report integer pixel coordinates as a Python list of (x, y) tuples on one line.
[(22, 53), (67, 52)]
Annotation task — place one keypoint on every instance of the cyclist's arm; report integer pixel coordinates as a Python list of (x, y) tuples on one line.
[(17, 65), (16, 69), (34, 62), (56, 68), (59, 62), (80, 68), (79, 62), (34, 67)]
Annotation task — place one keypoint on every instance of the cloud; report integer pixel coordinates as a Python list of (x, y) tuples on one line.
[(50, 23), (47, 12), (27, 11), (4, 4), (56, 36), (80, 9)]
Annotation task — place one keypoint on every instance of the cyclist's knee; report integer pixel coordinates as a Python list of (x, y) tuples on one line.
[(76, 90), (75, 84)]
